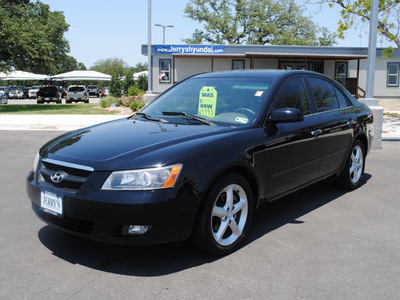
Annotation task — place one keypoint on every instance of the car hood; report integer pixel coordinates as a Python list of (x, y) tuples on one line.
[(127, 143)]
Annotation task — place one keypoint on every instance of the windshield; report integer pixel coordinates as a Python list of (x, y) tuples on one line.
[(223, 101)]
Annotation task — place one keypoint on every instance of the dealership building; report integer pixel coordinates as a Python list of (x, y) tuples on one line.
[(348, 65)]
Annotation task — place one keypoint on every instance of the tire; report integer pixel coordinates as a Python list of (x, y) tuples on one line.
[(352, 175), (220, 227)]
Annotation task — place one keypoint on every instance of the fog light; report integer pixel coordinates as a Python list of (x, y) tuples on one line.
[(138, 229)]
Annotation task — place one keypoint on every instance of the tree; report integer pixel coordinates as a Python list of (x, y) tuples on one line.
[(143, 82), (111, 66), (128, 81), (69, 63), (31, 37), (139, 67), (257, 22), (357, 12), (115, 85)]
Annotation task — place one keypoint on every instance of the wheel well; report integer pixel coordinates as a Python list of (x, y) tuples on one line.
[(363, 139), (248, 175)]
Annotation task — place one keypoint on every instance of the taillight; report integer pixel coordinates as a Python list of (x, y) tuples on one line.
[(84, 94), (56, 94)]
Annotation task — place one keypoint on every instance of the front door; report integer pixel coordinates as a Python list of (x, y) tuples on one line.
[(293, 150)]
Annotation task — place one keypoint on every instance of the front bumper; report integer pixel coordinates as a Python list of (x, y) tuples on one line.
[(105, 215)]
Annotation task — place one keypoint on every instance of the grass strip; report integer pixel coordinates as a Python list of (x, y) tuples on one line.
[(55, 109)]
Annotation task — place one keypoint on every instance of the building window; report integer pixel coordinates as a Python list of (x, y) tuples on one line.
[(237, 64), (341, 69), (164, 73), (393, 74)]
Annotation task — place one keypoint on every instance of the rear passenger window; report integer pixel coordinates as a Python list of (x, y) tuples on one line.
[(293, 94), (342, 99), (324, 94)]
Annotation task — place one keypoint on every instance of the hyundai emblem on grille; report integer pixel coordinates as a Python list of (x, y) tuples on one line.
[(57, 177)]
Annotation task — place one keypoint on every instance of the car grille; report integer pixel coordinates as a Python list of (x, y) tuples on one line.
[(61, 175)]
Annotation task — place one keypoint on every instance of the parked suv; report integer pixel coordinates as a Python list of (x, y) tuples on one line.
[(93, 90)]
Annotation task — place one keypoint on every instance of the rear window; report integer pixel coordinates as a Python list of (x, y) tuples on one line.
[(49, 89), (76, 89)]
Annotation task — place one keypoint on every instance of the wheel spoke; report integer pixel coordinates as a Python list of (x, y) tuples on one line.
[(353, 168), (239, 206), (221, 231), (229, 197), (235, 229), (218, 212)]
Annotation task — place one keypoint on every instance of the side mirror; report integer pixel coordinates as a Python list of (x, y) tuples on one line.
[(286, 115)]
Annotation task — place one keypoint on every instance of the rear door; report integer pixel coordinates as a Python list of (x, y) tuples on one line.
[(337, 120)]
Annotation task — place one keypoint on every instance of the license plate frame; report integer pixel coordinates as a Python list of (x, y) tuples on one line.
[(51, 203)]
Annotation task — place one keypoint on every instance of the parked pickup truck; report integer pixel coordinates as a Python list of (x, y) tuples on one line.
[(77, 93), (49, 93)]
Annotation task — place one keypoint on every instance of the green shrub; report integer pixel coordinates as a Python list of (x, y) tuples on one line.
[(136, 105), (133, 90), (115, 86), (107, 101), (125, 101), (142, 82), (128, 82)]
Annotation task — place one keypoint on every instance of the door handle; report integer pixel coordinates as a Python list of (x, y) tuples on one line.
[(351, 122), (316, 133)]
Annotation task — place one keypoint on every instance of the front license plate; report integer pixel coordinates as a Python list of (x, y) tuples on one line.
[(51, 203)]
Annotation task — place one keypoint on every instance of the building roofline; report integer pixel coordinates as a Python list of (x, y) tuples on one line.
[(287, 51)]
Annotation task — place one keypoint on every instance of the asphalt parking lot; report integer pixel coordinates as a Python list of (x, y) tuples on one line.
[(319, 243), (34, 101)]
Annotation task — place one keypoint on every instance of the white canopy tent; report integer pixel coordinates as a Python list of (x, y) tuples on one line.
[(21, 75), (82, 75), (138, 74)]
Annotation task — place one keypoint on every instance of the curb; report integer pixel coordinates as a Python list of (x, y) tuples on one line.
[(53, 122)]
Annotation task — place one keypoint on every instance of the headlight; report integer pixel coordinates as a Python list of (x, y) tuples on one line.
[(144, 179), (35, 163)]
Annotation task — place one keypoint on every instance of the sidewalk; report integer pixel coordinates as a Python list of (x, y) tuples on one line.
[(53, 122), (391, 125)]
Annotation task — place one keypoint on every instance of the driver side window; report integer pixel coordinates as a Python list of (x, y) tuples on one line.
[(293, 94)]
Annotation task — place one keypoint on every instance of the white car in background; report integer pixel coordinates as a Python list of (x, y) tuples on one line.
[(33, 90)]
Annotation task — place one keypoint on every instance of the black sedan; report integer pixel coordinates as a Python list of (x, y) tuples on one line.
[(196, 162)]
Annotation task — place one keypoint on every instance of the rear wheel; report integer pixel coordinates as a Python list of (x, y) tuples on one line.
[(353, 174), (224, 216)]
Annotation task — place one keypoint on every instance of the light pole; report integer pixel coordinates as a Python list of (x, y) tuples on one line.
[(163, 27), (149, 91)]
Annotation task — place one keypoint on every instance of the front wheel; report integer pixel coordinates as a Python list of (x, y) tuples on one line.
[(224, 216), (353, 174)]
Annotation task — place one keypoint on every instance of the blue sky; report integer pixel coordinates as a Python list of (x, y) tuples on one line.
[(101, 29)]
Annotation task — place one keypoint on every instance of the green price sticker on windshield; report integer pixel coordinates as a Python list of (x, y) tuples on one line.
[(207, 102)]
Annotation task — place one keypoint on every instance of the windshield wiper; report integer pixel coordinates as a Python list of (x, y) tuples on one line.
[(193, 117), (147, 117)]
